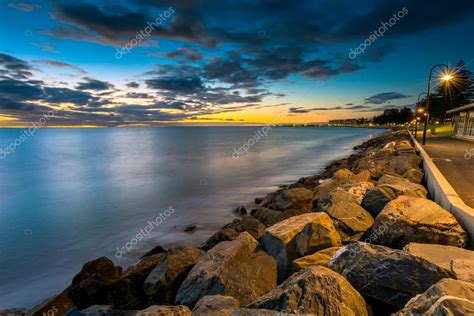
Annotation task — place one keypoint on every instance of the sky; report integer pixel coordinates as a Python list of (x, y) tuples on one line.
[(159, 62)]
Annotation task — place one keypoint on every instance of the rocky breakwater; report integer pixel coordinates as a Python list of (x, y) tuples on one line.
[(361, 238)]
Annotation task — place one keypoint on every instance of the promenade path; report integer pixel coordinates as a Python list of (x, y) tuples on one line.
[(455, 159)]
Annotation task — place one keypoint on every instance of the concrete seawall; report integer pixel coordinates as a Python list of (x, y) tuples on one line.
[(443, 193)]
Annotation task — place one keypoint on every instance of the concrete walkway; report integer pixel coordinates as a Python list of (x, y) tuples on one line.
[(455, 159)]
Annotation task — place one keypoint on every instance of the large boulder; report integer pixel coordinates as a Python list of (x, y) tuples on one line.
[(215, 305), (232, 230), (321, 257), (234, 268), (91, 285), (375, 162), (164, 310), (294, 198), (349, 217), (164, 280), (410, 219), (57, 305), (388, 189), (317, 291), (447, 297), (457, 260), (299, 236), (401, 164), (270, 217), (414, 175), (387, 275)]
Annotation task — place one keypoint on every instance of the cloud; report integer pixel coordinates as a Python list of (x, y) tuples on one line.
[(183, 85), (381, 98), (185, 54), (132, 85), (60, 64), (14, 67), (94, 84), (46, 47), (23, 6)]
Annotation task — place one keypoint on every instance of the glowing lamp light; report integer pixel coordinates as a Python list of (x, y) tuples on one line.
[(447, 77)]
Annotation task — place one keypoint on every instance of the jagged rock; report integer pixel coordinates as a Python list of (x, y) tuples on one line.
[(91, 285), (375, 163), (256, 312), (357, 189), (343, 175), (316, 290), (321, 257), (240, 210), (233, 268), (295, 198), (156, 250), (457, 260), (190, 228), (58, 305), (98, 310), (232, 230), (163, 281), (409, 219), (447, 297), (215, 305), (156, 310), (376, 199), (270, 217), (348, 217), (401, 164), (414, 175), (387, 275), (299, 236)]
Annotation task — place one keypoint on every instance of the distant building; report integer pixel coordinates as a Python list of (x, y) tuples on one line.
[(464, 121)]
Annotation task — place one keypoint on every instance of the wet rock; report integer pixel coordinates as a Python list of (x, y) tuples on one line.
[(457, 260), (317, 291), (91, 285), (321, 257), (232, 230), (410, 219), (157, 310), (154, 251), (215, 305), (447, 297), (241, 210), (232, 268), (295, 198), (270, 217), (386, 275), (190, 228), (57, 305), (164, 280), (298, 236)]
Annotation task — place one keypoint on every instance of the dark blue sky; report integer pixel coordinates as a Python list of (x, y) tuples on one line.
[(133, 62)]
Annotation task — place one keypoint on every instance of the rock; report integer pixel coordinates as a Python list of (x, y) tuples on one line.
[(156, 310), (232, 230), (299, 236), (375, 164), (348, 217), (401, 164), (321, 257), (409, 219), (215, 305), (357, 189), (447, 297), (231, 268), (154, 251), (414, 175), (376, 199), (57, 305), (190, 228), (240, 210), (164, 280), (270, 217), (295, 198), (457, 260), (386, 275), (317, 291), (91, 285), (343, 175), (258, 200), (98, 310), (256, 312)]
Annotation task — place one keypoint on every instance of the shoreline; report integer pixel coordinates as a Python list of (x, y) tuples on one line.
[(352, 178)]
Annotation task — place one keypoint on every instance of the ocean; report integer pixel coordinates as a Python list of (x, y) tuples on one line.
[(68, 196)]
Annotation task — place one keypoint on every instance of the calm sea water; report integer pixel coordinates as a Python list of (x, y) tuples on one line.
[(71, 195)]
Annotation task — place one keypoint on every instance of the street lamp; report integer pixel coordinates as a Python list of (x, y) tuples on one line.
[(447, 76), (416, 113)]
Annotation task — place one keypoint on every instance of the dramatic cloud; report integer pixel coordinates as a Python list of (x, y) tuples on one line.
[(94, 84), (385, 97), (60, 64), (185, 54)]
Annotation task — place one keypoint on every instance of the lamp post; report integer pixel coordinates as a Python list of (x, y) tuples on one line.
[(428, 97), (416, 113)]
